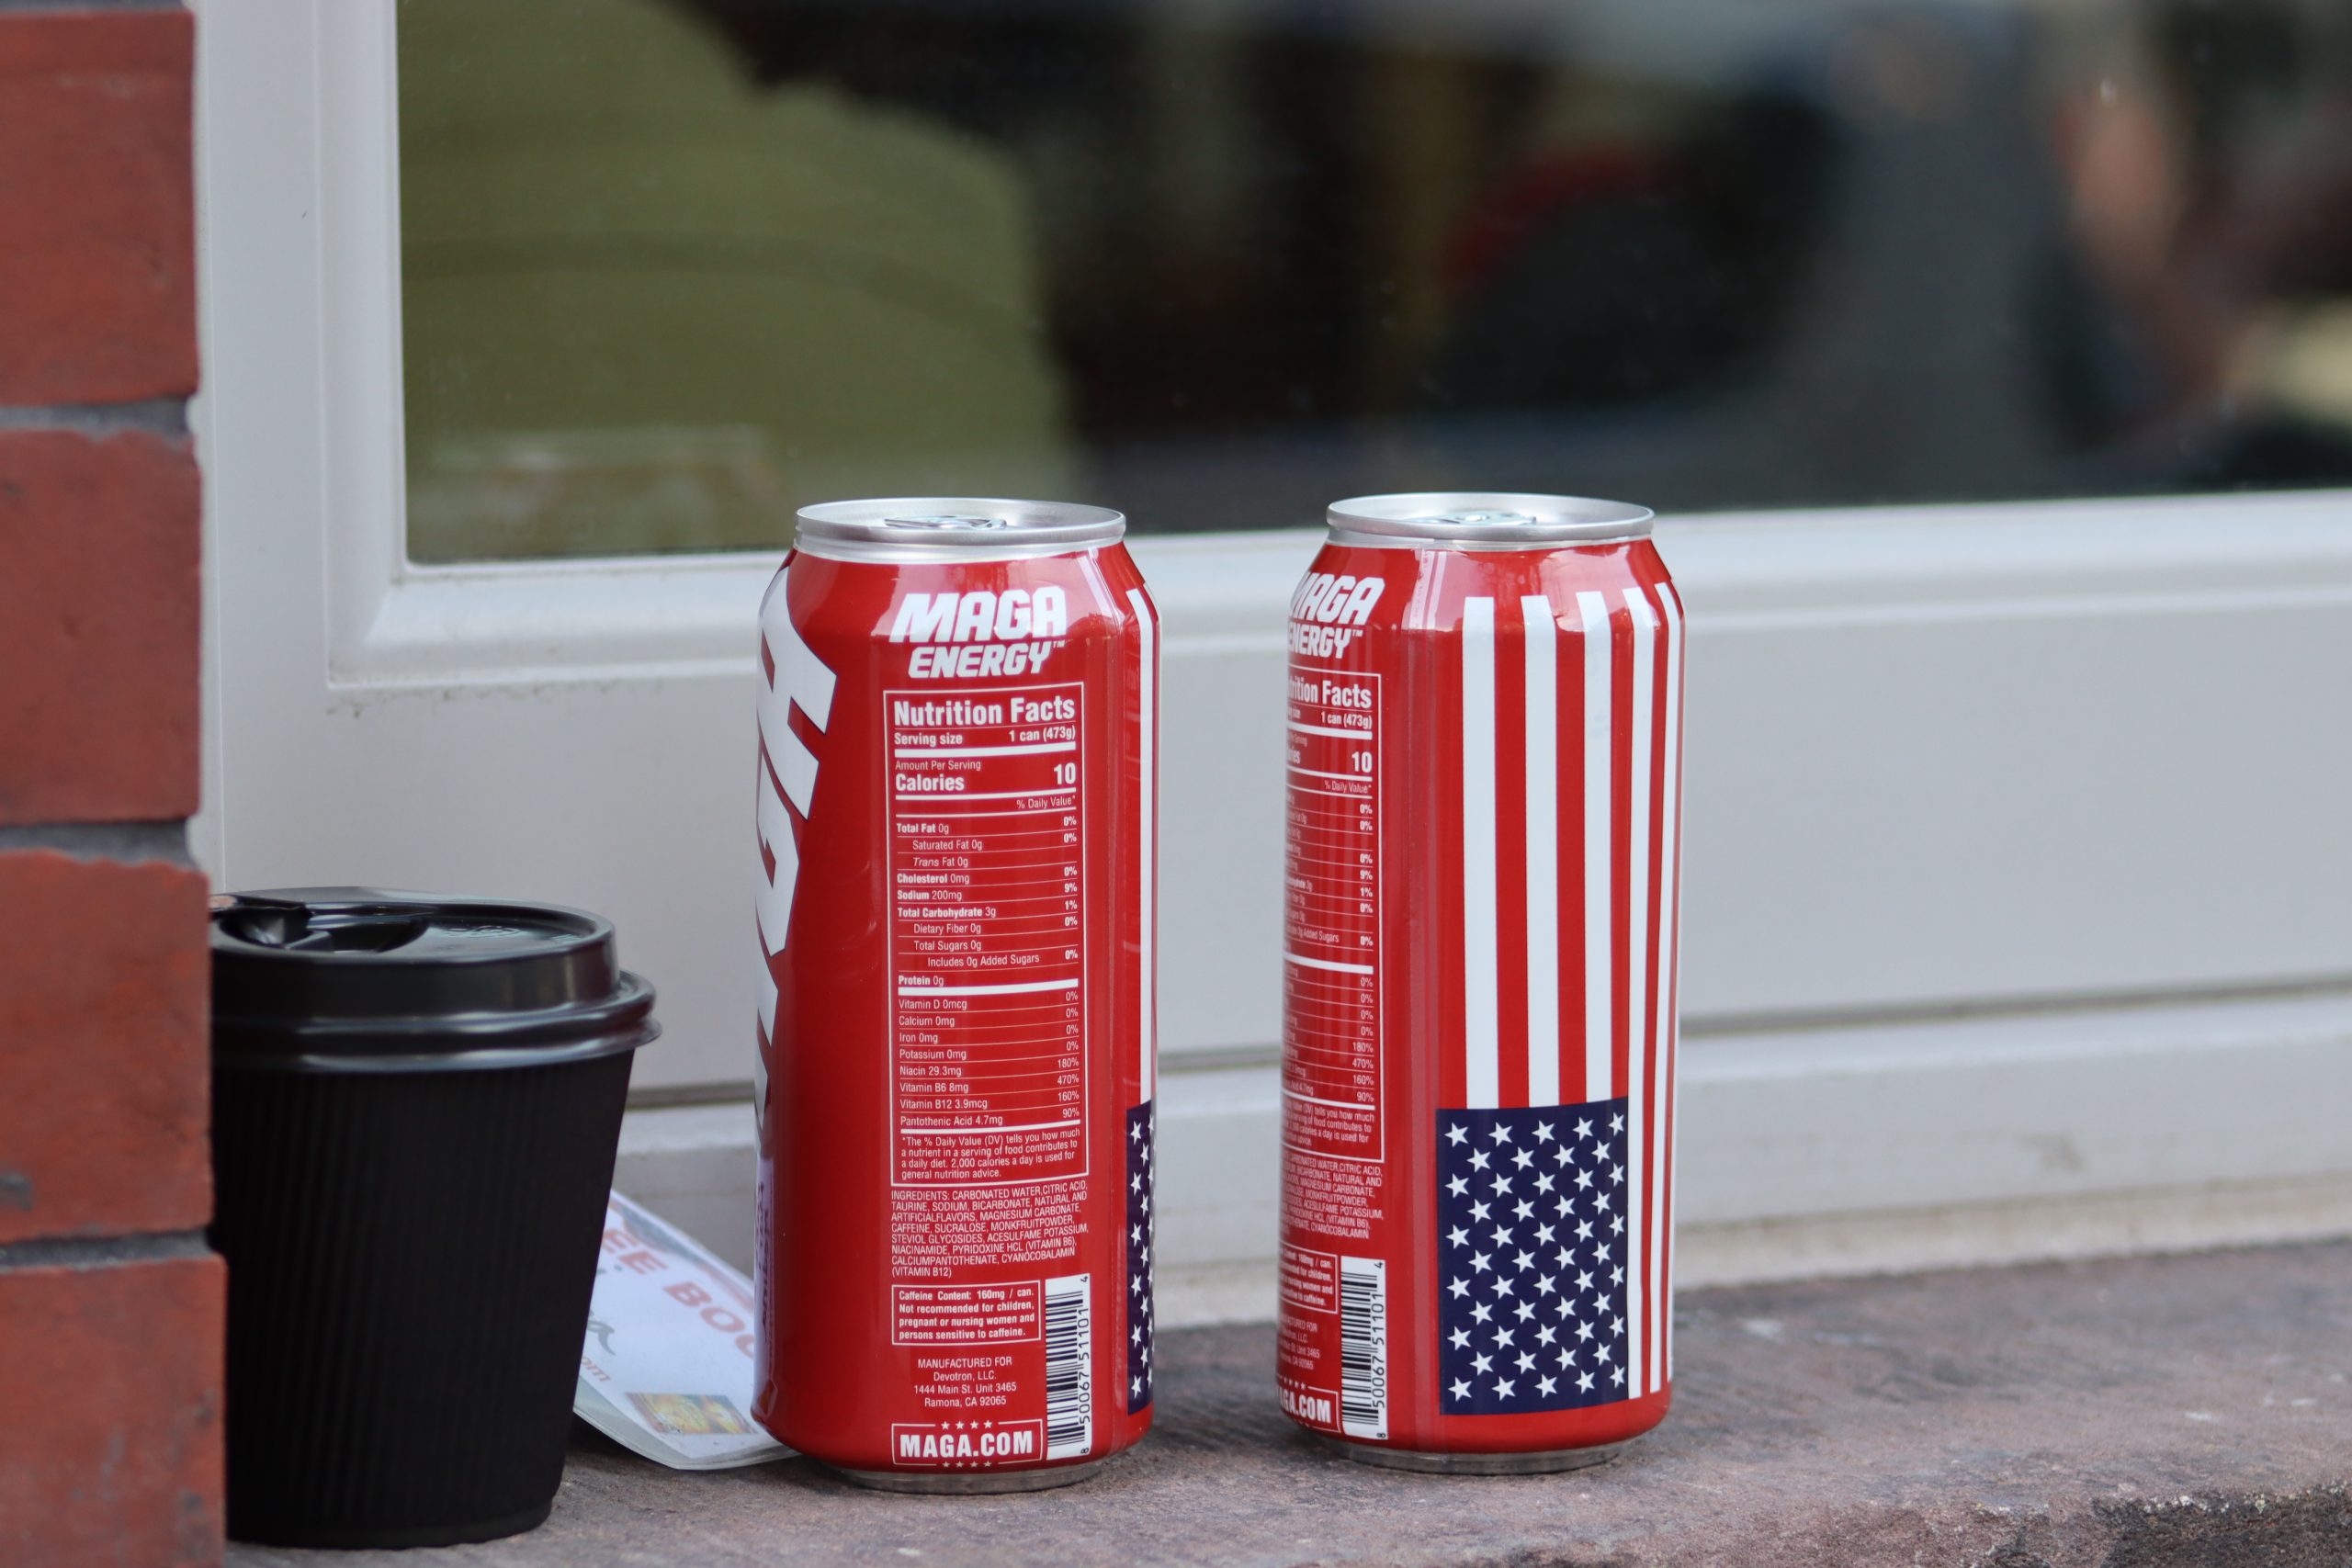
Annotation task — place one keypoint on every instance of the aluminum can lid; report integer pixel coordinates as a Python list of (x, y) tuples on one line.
[(1485, 520), (954, 527)]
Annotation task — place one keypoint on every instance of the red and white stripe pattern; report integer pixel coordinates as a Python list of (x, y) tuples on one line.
[(1570, 758)]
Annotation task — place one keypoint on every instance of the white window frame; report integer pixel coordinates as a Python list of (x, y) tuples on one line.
[(1958, 776)]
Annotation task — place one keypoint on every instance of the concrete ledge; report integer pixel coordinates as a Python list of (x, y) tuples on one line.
[(2126, 1412)]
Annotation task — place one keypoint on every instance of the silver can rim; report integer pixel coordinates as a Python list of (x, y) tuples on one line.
[(1544, 1462), (1491, 520), (954, 526), (976, 1482)]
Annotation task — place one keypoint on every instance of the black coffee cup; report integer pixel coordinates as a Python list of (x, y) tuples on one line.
[(416, 1104)]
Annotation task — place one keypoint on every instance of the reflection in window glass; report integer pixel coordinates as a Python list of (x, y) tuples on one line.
[(673, 267)]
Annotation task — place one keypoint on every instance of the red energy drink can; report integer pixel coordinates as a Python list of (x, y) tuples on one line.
[(1483, 801), (956, 841)]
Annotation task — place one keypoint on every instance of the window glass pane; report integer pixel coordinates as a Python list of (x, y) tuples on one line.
[(674, 266)]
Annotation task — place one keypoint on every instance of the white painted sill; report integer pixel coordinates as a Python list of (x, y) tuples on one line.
[(1837, 1150)]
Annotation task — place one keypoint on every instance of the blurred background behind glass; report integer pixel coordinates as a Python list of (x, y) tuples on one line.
[(673, 267)]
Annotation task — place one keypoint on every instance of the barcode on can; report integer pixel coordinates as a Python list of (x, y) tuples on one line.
[(1069, 1367), (1363, 1348)]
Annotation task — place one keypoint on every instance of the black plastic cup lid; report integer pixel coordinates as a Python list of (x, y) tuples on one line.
[(358, 979)]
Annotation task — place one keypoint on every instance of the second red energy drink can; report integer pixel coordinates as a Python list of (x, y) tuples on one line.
[(955, 860), (1484, 802)]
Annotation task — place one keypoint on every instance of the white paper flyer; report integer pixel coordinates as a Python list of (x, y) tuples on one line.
[(666, 1370)]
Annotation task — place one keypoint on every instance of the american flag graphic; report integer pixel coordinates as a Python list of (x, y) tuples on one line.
[(1562, 1091), (1139, 1165)]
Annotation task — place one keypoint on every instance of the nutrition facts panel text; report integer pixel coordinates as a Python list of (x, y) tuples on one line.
[(1332, 930), (988, 903)]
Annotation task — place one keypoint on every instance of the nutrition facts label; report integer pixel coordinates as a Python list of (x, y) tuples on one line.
[(1331, 933), (988, 904)]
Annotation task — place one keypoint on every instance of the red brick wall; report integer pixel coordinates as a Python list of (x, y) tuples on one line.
[(110, 1307)]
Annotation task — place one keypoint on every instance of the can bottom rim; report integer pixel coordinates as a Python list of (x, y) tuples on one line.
[(976, 1482), (1549, 1462)]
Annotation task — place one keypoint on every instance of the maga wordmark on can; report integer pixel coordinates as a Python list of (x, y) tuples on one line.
[(956, 832), (1483, 804)]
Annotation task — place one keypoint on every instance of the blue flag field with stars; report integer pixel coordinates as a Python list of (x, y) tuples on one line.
[(1138, 1281), (1531, 1268)]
